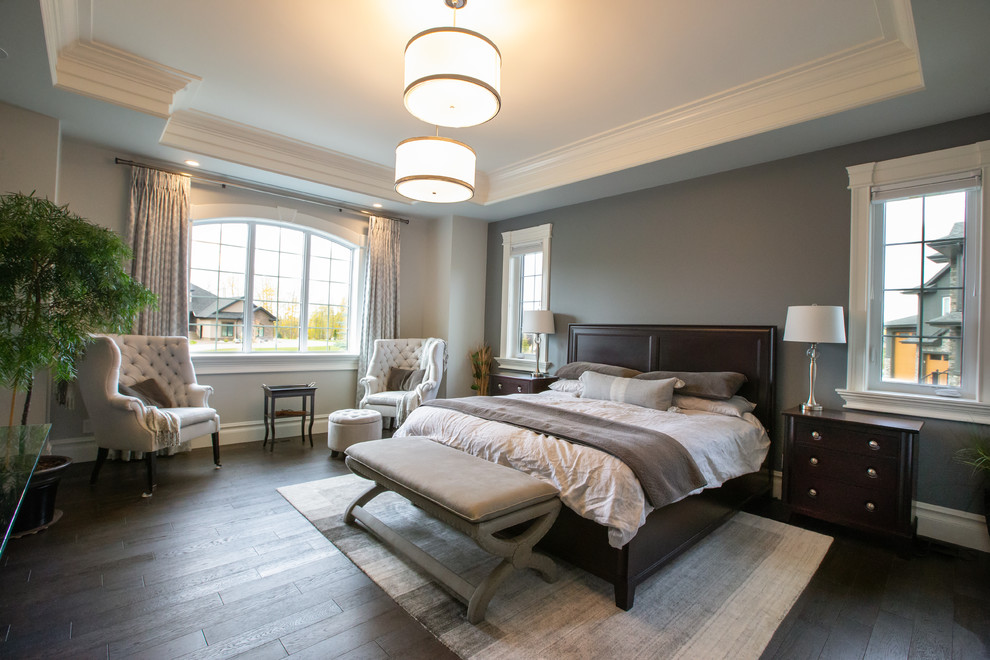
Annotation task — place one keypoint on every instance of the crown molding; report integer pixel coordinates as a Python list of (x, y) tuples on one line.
[(880, 69), (214, 136)]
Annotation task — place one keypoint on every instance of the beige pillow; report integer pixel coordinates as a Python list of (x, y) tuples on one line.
[(155, 392), (737, 406), (656, 394)]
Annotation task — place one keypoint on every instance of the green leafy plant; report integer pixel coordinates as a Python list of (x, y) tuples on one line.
[(61, 279), (481, 369), (977, 456)]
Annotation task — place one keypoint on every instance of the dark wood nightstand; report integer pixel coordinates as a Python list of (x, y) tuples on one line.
[(855, 469), (519, 384)]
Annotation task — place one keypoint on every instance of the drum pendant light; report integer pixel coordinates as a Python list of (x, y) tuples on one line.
[(452, 76), (434, 169)]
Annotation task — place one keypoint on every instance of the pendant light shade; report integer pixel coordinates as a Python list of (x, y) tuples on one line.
[(452, 77), (434, 169)]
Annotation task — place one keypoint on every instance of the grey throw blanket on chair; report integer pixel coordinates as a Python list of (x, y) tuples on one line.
[(663, 466)]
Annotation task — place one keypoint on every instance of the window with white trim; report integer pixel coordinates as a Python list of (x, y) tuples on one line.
[(301, 283), (918, 318), (525, 286)]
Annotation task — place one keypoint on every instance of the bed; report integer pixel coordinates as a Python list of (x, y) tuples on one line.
[(659, 534)]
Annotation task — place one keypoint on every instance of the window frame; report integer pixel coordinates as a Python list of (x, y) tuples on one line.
[(299, 361), (515, 244), (863, 179)]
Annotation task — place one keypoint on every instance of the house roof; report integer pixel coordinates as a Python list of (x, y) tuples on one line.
[(205, 304)]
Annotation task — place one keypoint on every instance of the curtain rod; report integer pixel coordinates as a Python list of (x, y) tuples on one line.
[(234, 182)]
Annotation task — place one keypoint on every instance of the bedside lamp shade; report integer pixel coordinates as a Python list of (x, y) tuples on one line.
[(814, 324), (538, 322)]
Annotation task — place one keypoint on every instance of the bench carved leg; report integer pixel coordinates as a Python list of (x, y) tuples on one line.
[(361, 500)]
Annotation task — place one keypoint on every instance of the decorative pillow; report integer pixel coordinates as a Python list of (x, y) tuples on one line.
[(152, 393), (568, 386), (735, 406), (403, 380), (656, 394), (706, 384), (573, 370)]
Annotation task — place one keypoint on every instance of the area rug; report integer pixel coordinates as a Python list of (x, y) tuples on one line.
[(723, 598)]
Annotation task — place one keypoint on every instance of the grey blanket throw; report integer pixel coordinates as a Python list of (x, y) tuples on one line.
[(663, 466)]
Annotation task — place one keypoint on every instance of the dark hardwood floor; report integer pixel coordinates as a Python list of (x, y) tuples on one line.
[(218, 564)]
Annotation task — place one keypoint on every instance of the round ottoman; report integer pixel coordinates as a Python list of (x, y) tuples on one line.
[(350, 426)]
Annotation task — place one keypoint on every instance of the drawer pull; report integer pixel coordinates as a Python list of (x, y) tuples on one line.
[(874, 445), (812, 492), (498, 386), (871, 507), (871, 473), (815, 435), (518, 388), (813, 460)]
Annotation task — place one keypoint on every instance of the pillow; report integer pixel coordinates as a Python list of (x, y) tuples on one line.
[(568, 386), (573, 370), (735, 406), (654, 394), (403, 380), (151, 392), (706, 384)]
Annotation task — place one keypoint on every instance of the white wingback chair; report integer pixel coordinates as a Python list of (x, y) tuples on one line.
[(427, 354), (126, 423)]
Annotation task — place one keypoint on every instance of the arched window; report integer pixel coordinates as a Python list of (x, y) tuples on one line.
[(301, 284)]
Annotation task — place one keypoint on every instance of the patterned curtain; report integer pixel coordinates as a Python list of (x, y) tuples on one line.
[(381, 291), (158, 231)]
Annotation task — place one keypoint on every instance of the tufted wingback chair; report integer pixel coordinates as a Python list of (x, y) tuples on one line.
[(126, 423), (427, 354)]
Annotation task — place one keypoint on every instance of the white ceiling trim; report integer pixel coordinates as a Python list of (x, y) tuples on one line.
[(874, 72), (94, 69), (214, 136)]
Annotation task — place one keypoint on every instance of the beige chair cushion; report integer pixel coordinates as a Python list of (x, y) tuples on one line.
[(467, 486)]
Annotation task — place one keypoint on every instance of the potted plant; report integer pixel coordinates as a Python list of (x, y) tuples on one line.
[(481, 369), (977, 455), (61, 279)]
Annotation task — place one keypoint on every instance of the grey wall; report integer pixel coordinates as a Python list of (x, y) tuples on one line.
[(734, 248)]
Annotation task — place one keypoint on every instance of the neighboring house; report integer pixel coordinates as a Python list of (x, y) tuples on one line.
[(213, 317), (941, 325)]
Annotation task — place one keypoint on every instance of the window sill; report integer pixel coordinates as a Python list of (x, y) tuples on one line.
[(516, 364), (935, 407), (263, 363)]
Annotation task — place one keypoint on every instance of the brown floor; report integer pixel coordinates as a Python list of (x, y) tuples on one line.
[(218, 564)]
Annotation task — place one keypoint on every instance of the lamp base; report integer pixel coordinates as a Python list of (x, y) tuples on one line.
[(810, 407), (538, 374)]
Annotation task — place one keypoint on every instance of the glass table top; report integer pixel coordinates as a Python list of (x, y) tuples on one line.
[(20, 447)]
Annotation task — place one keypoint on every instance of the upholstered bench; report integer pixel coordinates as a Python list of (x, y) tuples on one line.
[(472, 495), (350, 426)]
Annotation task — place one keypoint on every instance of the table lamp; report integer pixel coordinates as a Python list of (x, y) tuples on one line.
[(538, 322), (814, 324)]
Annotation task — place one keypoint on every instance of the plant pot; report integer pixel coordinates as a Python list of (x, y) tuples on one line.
[(38, 508)]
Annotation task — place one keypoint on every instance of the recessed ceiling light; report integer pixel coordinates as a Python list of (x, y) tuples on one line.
[(192, 163), (377, 206)]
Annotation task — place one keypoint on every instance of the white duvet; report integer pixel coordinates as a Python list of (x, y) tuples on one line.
[(594, 484)]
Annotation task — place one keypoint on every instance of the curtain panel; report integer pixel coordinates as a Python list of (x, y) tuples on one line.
[(158, 231), (381, 291)]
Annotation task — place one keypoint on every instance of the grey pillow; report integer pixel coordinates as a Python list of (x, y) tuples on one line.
[(403, 380), (151, 393), (573, 370), (656, 394), (706, 384)]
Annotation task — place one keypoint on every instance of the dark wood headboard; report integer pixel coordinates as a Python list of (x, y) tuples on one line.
[(747, 349)]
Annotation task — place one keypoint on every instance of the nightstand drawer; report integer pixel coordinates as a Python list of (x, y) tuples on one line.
[(519, 384), (844, 438), (843, 503), (809, 462)]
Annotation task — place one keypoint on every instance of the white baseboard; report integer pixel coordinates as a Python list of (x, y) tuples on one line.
[(83, 448), (952, 526)]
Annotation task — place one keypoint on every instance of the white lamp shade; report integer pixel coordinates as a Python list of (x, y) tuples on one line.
[(434, 169), (538, 321), (452, 77), (814, 324)]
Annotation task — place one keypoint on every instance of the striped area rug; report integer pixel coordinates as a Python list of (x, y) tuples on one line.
[(723, 598)]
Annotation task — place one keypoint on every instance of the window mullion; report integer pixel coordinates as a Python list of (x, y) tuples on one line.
[(304, 296), (248, 320)]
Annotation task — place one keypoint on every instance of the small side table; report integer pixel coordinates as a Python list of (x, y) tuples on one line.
[(519, 384), (275, 392)]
